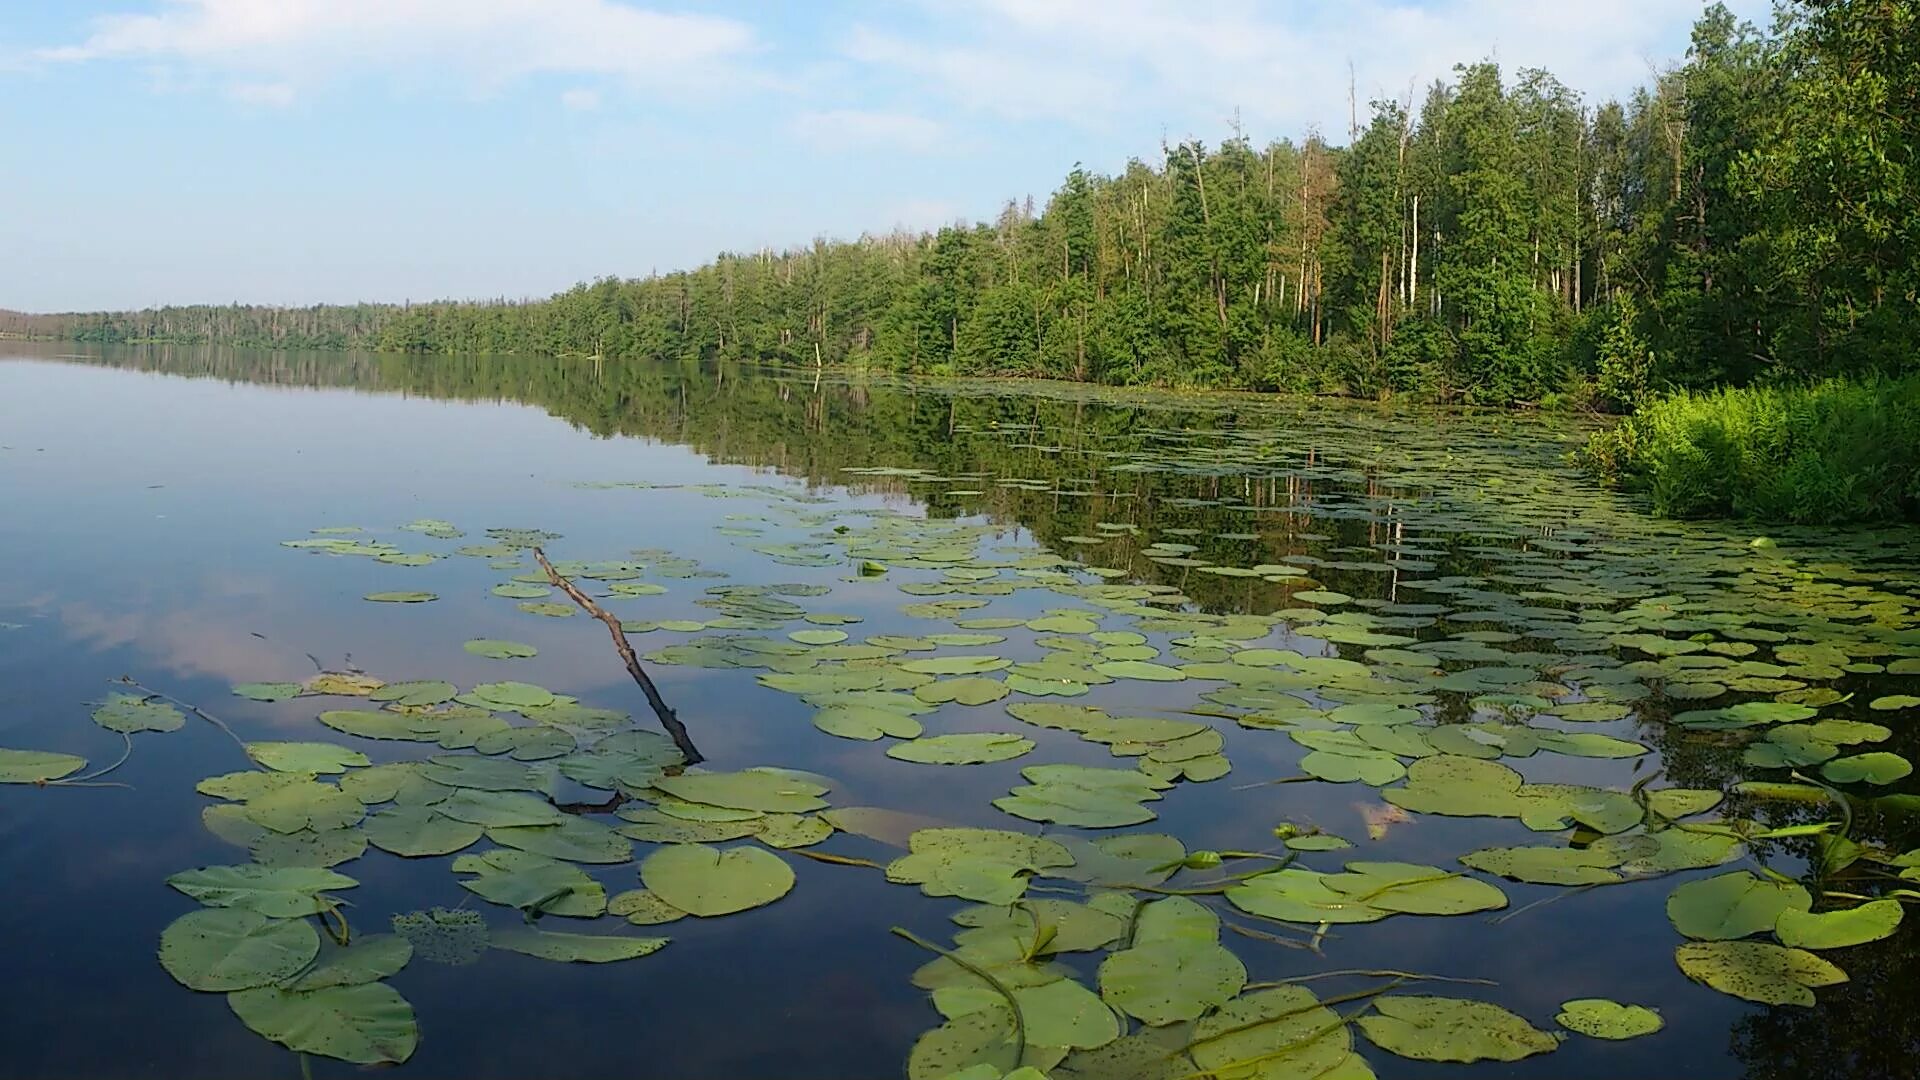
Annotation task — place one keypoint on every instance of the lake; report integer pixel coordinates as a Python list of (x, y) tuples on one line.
[(1302, 634)]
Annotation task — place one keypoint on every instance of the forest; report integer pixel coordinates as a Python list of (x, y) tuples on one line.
[(1751, 216)]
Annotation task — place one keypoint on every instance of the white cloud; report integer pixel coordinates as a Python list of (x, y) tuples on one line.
[(255, 93), (580, 99), (1141, 63), (483, 43), (859, 127)]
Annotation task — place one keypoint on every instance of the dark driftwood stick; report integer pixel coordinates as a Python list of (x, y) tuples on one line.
[(675, 729)]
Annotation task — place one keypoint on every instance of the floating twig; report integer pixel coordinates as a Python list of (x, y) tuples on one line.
[(675, 729)]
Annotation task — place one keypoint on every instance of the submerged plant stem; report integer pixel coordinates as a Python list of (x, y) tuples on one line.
[(127, 680), (1019, 1022), (1378, 973), (97, 773), (675, 729)]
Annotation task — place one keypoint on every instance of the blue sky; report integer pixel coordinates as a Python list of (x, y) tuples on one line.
[(299, 151)]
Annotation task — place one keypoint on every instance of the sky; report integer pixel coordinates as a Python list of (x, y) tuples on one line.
[(310, 151)]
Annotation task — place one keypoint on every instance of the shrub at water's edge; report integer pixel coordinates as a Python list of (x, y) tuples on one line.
[(1831, 452)]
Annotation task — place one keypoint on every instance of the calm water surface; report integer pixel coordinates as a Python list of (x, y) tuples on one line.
[(145, 496)]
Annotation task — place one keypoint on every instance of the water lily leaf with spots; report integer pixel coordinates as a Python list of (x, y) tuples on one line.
[(266, 691), (989, 866), (1603, 1019), (1871, 921), (1166, 981), (305, 757), (232, 949), (1064, 925), (576, 948), (367, 959), (326, 847), (651, 826), (746, 790), (432, 692), (36, 766), (304, 804), (1877, 767), (1119, 861), (532, 883), (642, 908), (962, 691), (1285, 1029), (1413, 889), (479, 773), (128, 713), (793, 830), (1729, 906), (1757, 971), (707, 882), (866, 722), (496, 649), (1451, 1029), (575, 839), (1543, 865), (367, 1024), (526, 743), (965, 748), (276, 892)]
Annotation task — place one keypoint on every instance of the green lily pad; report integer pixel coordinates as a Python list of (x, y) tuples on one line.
[(641, 908), (513, 695), (373, 725), (574, 839), (305, 757), (433, 692), (1871, 921), (36, 766), (793, 830), (231, 949), (128, 713), (266, 691), (368, 1024), (1877, 767), (1285, 1029), (968, 748), (708, 881), (1167, 981), (276, 892), (327, 847), (530, 882), (496, 649), (989, 866), (963, 691), (1603, 1019), (401, 597), (1757, 971), (304, 805), (747, 790), (576, 948), (1734, 905), (866, 722), (367, 959), (1451, 1029)]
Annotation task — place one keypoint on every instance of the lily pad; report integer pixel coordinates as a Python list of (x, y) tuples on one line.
[(1877, 767), (401, 597), (496, 649), (444, 936), (128, 713), (367, 1024), (233, 949), (746, 790), (576, 948), (266, 691), (1603, 1019), (1871, 921), (574, 839), (1757, 971), (968, 748), (305, 757), (532, 883), (708, 882), (1451, 1029), (36, 766), (276, 892)]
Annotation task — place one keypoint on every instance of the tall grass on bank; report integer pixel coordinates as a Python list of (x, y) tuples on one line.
[(1832, 452)]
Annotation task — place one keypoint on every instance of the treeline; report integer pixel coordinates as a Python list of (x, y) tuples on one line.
[(1753, 214)]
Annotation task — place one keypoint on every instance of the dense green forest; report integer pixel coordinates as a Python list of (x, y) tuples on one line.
[(1753, 215)]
